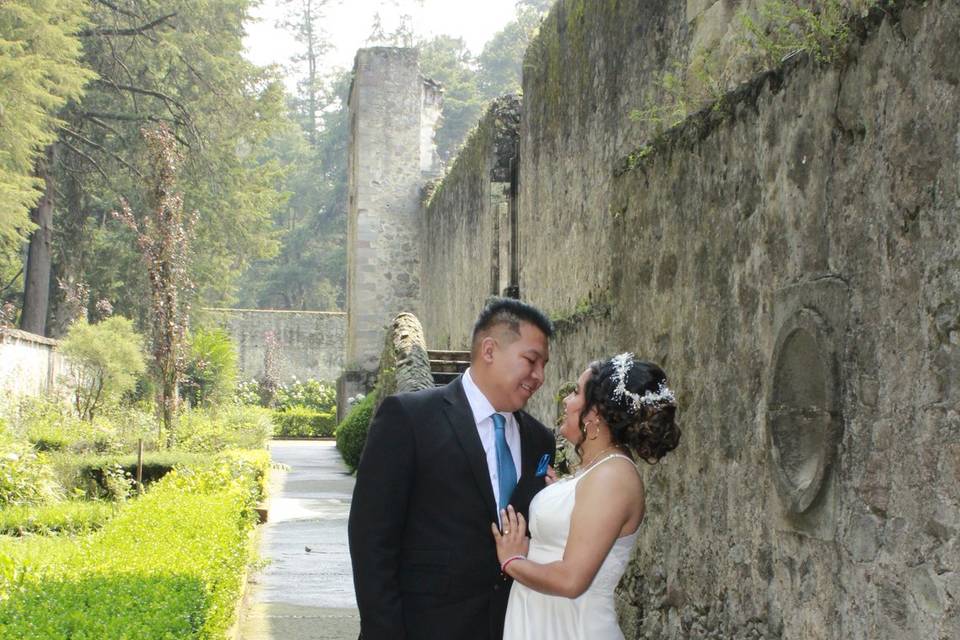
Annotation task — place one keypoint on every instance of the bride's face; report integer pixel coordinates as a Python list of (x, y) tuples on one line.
[(572, 406)]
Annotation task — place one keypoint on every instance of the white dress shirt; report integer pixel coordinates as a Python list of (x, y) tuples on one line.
[(483, 417)]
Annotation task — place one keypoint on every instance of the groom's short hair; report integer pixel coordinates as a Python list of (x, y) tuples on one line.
[(510, 312)]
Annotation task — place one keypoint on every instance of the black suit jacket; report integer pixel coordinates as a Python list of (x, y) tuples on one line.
[(424, 560)]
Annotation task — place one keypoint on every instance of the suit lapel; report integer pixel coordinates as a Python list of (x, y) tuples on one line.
[(460, 416), (528, 451)]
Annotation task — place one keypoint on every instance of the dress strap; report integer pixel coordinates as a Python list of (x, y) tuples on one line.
[(609, 457)]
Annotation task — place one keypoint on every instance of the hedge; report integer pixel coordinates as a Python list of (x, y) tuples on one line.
[(303, 421), (352, 432), (169, 565)]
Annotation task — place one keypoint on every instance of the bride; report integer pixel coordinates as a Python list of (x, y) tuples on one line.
[(583, 528)]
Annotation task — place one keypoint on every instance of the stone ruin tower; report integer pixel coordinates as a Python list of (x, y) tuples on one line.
[(393, 114)]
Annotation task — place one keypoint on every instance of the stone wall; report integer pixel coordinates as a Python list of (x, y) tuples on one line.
[(393, 112), (467, 223), (793, 260), (29, 364), (310, 343)]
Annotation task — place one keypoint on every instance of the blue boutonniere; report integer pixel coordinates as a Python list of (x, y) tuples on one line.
[(542, 465)]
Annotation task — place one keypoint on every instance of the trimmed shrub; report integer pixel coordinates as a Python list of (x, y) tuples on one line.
[(64, 517), (303, 422), (169, 565), (352, 432)]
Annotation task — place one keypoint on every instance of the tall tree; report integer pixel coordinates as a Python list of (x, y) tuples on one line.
[(500, 64), (310, 270), (40, 70), (303, 21), (448, 61), (179, 63)]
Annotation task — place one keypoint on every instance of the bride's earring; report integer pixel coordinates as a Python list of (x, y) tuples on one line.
[(596, 434)]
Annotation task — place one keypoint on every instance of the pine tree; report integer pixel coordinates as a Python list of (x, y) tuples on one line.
[(40, 70)]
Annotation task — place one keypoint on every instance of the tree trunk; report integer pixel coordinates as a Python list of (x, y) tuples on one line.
[(36, 289)]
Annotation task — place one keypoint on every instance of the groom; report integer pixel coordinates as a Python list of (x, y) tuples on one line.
[(437, 466)]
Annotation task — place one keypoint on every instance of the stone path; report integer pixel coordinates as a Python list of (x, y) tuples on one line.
[(304, 594)]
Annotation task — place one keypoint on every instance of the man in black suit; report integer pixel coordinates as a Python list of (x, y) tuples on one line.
[(437, 466)]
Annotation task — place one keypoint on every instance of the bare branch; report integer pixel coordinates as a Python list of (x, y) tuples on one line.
[(133, 31), (146, 92), (100, 147), (88, 158), (114, 7), (103, 125)]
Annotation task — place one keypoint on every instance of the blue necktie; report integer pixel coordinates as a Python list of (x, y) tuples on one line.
[(506, 470)]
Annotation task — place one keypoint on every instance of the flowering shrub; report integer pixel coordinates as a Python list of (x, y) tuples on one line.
[(310, 393), (247, 393)]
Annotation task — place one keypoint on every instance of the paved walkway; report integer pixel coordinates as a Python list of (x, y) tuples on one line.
[(306, 590)]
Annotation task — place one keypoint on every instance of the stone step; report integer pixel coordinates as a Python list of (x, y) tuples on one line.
[(456, 356)]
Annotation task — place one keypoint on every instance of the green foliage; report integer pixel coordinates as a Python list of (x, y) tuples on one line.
[(765, 37), (225, 427), (500, 64), (50, 425), (211, 371), (352, 432), (25, 476), (300, 421), (64, 518), (785, 27), (40, 70), (447, 60), (310, 270), (105, 360), (169, 565)]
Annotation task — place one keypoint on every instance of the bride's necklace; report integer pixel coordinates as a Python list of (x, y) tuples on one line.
[(596, 459)]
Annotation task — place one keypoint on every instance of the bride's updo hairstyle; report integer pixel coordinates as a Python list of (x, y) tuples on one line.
[(633, 399)]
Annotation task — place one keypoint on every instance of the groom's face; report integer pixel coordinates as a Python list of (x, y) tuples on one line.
[(516, 365)]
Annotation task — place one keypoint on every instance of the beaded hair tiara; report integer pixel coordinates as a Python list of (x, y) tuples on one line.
[(621, 366)]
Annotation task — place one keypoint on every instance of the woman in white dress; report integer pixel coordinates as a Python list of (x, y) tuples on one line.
[(583, 528)]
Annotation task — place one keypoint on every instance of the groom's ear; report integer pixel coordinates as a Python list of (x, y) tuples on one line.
[(487, 346)]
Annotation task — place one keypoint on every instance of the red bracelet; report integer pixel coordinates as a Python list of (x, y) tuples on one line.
[(503, 567)]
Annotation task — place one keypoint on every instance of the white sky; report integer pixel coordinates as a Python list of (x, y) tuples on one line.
[(349, 23)]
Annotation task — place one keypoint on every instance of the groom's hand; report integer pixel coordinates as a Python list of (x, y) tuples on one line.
[(551, 476)]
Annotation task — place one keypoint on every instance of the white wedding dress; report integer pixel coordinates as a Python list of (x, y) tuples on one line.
[(532, 615)]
